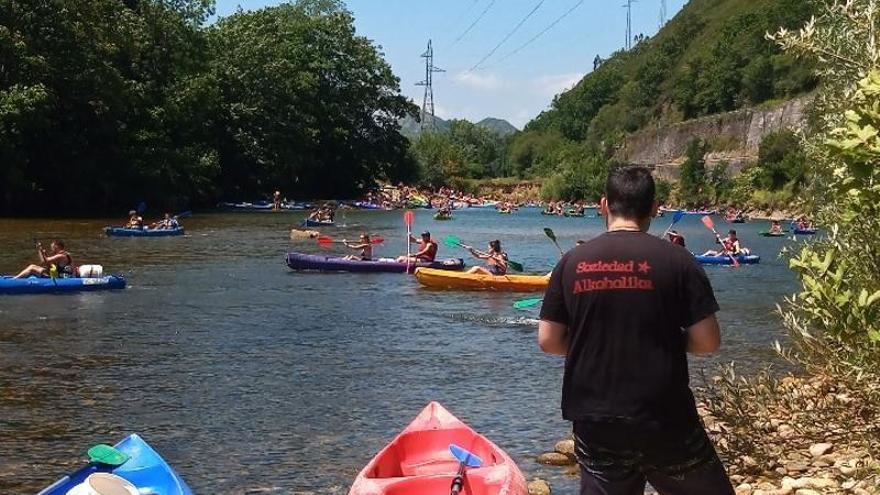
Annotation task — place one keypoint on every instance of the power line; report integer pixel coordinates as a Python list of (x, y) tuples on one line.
[(511, 33), (478, 19), (542, 32)]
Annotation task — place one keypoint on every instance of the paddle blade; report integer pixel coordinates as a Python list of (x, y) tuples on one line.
[(325, 240), (105, 454), (468, 459), (549, 232), (517, 267), (184, 214), (409, 217), (142, 207), (679, 214), (707, 221), (452, 241), (527, 303), (377, 240)]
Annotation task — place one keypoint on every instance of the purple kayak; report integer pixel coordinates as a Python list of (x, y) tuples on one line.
[(302, 261)]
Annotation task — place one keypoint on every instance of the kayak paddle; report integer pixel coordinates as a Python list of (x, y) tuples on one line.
[(326, 240), (453, 241), (527, 303), (679, 214), (707, 221), (184, 214), (105, 454), (408, 218), (141, 208), (465, 460), (552, 235)]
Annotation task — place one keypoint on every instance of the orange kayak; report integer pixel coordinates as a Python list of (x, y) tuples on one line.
[(438, 279), (418, 461)]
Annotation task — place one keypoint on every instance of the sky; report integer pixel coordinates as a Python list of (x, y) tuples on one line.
[(512, 83)]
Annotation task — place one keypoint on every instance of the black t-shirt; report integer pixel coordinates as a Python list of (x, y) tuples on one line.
[(626, 298)]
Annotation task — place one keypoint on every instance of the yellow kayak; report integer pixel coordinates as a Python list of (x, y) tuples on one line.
[(442, 279)]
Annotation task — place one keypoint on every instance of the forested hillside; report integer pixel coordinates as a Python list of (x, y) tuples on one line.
[(106, 103), (712, 57)]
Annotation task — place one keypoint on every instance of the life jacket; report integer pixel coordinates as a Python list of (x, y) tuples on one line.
[(68, 270)]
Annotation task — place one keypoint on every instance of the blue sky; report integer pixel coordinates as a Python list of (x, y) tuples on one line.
[(515, 88)]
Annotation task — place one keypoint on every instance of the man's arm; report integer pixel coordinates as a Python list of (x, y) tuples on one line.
[(703, 337), (553, 337)]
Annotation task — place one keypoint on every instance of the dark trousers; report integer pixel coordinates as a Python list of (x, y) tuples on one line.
[(618, 458)]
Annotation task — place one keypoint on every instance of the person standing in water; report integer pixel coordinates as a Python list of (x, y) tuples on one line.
[(624, 309)]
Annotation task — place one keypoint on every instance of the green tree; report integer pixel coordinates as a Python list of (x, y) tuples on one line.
[(693, 172)]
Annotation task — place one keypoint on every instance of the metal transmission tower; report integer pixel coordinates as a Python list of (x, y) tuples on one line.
[(428, 101), (662, 13), (629, 34)]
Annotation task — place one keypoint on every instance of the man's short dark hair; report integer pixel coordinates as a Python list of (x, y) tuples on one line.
[(630, 192)]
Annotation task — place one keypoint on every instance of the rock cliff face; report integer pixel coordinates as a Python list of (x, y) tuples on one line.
[(733, 138)]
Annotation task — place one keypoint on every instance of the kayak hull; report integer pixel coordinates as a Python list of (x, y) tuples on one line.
[(772, 234), (124, 232), (45, 285), (751, 259), (804, 231), (418, 461), (302, 261), (318, 223), (439, 279), (442, 218), (145, 469)]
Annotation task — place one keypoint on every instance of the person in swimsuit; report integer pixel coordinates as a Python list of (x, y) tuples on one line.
[(365, 246), (427, 250), (775, 227), (675, 238), (60, 260), (168, 222), (276, 201), (135, 221), (496, 260), (730, 245)]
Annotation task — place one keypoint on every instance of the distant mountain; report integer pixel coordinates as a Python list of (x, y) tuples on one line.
[(410, 128), (498, 126)]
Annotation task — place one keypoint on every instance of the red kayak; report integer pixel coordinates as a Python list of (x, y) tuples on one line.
[(418, 461)]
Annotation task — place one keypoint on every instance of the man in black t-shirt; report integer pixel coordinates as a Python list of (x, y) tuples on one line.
[(625, 309)]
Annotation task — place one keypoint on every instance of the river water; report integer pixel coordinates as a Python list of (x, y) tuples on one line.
[(248, 377)]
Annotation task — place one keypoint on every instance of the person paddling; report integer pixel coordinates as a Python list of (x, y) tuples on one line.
[(135, 221), (365, 246), (169, 222), (59, 263), (775, 227), (730, 245), (496, 260), (427, 250), (624, 309)]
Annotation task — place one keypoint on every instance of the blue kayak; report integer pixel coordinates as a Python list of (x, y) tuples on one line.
[(145, 469), (804, 231), (45, 285), (318, 223), (751, 259), (126, 232)]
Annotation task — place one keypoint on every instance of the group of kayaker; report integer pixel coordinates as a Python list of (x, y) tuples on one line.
[(135, 221), (323, 214)]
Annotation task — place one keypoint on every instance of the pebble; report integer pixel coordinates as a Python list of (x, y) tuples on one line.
[(565, 447), (555, 459), (539, 487), (820, 449)]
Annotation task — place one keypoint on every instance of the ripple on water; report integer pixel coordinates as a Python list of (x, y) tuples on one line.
[(248, 377)]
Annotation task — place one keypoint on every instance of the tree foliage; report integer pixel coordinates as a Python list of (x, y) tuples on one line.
[(107, 103)]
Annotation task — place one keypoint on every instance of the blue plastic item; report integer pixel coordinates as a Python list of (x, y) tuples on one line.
[(46, 285), (124, 232), (463, 456), (751, 259), (804, 231), (145, 469)]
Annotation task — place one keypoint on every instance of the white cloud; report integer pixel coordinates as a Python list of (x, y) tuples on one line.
[(483, 82), (554, 84)]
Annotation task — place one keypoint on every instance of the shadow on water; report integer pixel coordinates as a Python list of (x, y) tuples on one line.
[(246, 376)]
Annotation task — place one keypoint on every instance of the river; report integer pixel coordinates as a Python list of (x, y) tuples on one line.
[(249, 377)]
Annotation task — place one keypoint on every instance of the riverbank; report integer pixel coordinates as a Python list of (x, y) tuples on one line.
[(796, 435)]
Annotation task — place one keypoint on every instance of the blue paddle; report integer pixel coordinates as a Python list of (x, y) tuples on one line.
[(465, 460), (679, 214), (142, 207)]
